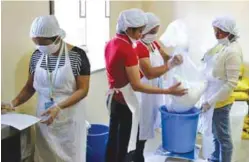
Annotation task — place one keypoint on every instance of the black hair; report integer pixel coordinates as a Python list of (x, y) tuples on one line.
[(52, 38), (121, 32), (232, 38), (134, 29)]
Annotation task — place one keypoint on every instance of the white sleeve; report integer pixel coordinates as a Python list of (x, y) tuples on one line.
[(232, 69)]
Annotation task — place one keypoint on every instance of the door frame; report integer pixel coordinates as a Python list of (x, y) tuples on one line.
[(51, 7)]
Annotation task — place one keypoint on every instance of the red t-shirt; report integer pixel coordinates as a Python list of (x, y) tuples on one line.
[(143, 51), (118, 55)]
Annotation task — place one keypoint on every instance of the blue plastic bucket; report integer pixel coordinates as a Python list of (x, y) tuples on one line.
[(96, 143), (179, 130)]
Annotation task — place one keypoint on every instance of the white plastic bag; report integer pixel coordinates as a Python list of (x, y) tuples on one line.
[(176, 36), (88, 125), (190, 78)]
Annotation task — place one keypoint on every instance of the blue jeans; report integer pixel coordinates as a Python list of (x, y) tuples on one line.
[(222, 135)]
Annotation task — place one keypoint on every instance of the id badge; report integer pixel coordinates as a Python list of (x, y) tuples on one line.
[(49, 104)]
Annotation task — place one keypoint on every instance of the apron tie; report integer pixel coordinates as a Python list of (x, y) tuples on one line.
[(109, 95)]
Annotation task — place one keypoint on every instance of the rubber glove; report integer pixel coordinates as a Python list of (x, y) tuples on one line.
[(205, 107), (175, 61), (7, 107)]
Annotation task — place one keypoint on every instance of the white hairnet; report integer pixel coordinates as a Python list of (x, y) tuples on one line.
[(226, 24), (46, 26), (153, 21), (133, 18)]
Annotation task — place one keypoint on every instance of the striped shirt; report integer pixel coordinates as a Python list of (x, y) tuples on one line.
[(78, 59)]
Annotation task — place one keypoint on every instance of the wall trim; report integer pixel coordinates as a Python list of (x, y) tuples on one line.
[(51, 7), (99, 70)]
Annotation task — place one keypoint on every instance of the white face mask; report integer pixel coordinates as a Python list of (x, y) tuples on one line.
[(49, 49), (224, 41), (149, 38)]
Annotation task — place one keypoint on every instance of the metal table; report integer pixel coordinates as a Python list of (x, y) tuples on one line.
[(7, 131), (16, 145)]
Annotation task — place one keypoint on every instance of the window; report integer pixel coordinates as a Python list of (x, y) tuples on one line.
[(85, 27), (82, 8)]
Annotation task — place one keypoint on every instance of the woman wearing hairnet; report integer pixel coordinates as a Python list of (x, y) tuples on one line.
[(153, 62), (222, 72), (124, 78), (60, 74)]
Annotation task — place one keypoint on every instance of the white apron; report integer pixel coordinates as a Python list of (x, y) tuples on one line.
[(150, 117), (131, 99), (65, 139), (206, 118), (133, 104)]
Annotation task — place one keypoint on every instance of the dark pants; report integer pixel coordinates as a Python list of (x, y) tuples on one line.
[(137, 155), (139, 152), (222, 135), (119, 133)]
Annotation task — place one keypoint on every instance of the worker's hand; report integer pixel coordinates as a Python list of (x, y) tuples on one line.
[(7, 107), (175, 61), (175, 90), (52, 113), (205, 107)]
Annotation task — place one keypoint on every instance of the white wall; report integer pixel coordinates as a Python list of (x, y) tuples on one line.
[(16, 45), (96, 99)]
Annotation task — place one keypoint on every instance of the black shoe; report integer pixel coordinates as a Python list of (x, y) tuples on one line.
[(130, 156)]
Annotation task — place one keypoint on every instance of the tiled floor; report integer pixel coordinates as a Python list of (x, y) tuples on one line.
[(241, 147)]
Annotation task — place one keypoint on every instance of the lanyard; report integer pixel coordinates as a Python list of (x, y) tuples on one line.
[(51, 79)]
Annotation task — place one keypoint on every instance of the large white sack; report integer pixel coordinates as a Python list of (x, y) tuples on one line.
[(176, 36), (191, 78)]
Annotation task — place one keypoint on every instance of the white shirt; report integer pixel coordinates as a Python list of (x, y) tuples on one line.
[(227, 68)]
